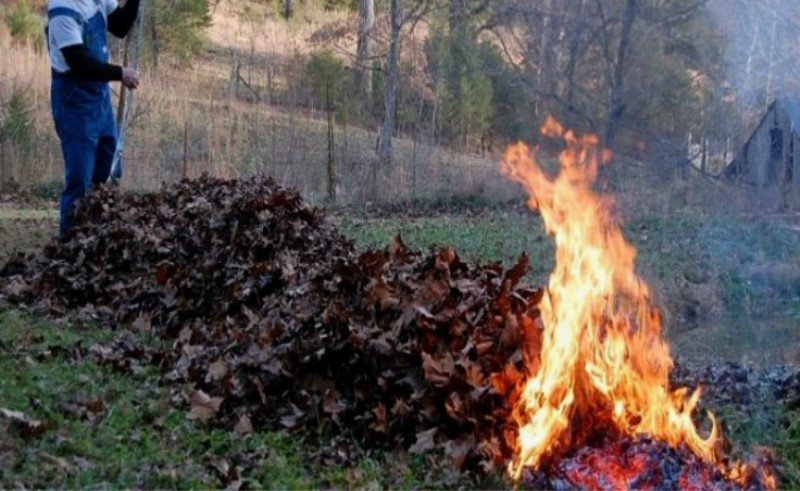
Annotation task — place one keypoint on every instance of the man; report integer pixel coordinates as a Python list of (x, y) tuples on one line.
[(80, 95)]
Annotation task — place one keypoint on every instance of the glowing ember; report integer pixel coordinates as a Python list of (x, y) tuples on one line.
[(603, 366)]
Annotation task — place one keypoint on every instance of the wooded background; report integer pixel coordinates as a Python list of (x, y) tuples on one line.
[(366, 100)]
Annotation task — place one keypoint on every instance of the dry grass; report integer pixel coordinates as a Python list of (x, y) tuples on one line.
[(234, 134), (231, 137)]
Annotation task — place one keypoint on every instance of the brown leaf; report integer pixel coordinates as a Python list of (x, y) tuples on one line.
[(398, 249), (457, 451), (438, 371), (425, 442), (455, 407), (244, 427), (96, 406), (400, 408), (204, 407), (515, 274), (217, 371), (28, 427), (163, 273), (331, 403), (381, 421)]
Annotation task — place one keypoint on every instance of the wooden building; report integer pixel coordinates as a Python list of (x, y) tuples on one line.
[(771, 155)]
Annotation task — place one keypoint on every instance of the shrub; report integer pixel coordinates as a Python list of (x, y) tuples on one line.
[(330, 83), (25, 25), (17, 123), (340, 4), (48, 190), (179, 28), (467, 92)]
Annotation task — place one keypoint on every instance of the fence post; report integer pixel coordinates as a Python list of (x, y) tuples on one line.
[(185, 147), (331, 144), (2, 162)]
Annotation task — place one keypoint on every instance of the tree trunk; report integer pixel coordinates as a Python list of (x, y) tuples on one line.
[(574, 47), (390, 91), (617, 103), (457, 16), (155, 47), (362, 73), (2, 162), (288, 9)]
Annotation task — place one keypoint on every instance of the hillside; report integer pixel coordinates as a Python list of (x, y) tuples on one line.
[(192, 111)]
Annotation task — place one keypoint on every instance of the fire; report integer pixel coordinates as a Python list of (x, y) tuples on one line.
[(604, 366)]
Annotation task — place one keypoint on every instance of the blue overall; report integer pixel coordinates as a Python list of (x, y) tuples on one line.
[(84, 119)]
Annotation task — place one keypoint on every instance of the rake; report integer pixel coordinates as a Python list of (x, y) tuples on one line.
[(126, 95)]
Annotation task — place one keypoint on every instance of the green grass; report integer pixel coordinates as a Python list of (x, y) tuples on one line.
[(25, 230), (143, 439), (27, 214), (494, 237), (775, 429), (698, 248), (139, 439)]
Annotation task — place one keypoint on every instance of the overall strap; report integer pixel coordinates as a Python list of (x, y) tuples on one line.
[(58, 11)]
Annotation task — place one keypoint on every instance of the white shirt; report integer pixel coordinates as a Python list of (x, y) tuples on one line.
[(64, 30)]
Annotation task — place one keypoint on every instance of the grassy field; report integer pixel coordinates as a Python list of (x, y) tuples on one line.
[(700, 265), (737, 276), (109, 429), (105, 428)]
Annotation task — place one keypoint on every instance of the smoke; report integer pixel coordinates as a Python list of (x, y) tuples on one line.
[(761, 51)]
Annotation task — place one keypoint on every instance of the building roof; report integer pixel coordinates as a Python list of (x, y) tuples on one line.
[(790, 106)]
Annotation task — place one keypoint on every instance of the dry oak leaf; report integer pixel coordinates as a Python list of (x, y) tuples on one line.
[(204, 407), (438, 372), (28, 427), (244, 427), (217, 370), (425, 442)]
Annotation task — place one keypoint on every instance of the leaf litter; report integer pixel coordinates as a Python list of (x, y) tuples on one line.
[(276, 321)]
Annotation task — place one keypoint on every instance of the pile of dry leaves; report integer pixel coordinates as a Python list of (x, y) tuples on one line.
[(278, 322)]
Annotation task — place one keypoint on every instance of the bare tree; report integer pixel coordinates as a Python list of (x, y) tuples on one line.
[(617, 68), (364, 54), (288, 9), (390, 90)]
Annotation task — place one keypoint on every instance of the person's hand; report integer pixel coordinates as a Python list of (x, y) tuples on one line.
[(130, 77)]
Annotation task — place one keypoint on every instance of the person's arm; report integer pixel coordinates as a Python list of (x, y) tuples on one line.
[(122, 18), (66, 35), (83, 66)]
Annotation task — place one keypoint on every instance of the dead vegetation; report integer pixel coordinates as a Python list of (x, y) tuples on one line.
[(277, 322)]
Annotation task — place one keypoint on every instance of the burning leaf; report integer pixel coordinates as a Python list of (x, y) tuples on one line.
[(602, 359), (515, 274)]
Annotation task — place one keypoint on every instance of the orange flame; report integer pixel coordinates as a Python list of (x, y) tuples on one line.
[(603, 363)]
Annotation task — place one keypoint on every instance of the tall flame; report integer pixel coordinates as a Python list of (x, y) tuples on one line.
[(603, 363)]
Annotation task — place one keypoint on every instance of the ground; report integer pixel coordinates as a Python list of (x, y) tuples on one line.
[(731, 296)]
